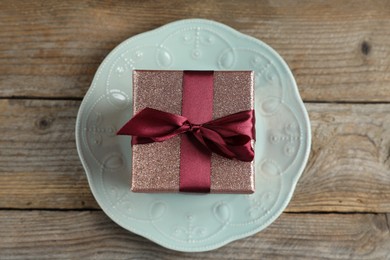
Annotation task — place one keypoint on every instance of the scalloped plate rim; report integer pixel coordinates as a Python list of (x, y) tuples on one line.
[(231, 238)]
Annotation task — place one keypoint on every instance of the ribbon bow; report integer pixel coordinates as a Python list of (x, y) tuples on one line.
[(229, 136)]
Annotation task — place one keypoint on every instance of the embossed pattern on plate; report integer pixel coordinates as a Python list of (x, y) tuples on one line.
[(181, 221)]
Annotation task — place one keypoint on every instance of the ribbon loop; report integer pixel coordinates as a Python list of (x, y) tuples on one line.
[(229, 136)]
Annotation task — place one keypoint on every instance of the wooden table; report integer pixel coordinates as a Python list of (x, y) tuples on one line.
[(339, 53)]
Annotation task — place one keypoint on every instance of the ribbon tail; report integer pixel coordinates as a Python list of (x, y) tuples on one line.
[(238, 147)]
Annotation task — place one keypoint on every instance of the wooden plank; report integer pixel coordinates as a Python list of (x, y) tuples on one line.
[(74, 235), (348, 169), (39, 165), (349, 165), (337, 50)]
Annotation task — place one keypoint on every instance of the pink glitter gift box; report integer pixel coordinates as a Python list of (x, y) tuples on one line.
[(157, 167)]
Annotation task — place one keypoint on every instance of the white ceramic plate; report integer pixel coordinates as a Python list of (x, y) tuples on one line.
[(181, 221)]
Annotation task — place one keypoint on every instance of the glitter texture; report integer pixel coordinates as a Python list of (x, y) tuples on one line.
[(156, 166), (233, 92)]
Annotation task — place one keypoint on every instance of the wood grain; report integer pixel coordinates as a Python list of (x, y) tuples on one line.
[(74, 235), (348, 170), (338, 51), (39, 165), (349, 164)]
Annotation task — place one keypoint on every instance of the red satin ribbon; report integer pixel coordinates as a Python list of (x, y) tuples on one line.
[(229, 136), (197, 106)]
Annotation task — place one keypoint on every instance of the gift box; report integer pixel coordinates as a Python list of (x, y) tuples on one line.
[(192, 131)]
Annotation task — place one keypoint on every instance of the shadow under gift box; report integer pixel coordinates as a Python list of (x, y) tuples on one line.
[(156, 166)]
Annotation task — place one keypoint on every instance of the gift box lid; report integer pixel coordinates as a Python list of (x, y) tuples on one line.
[(181, 163)]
